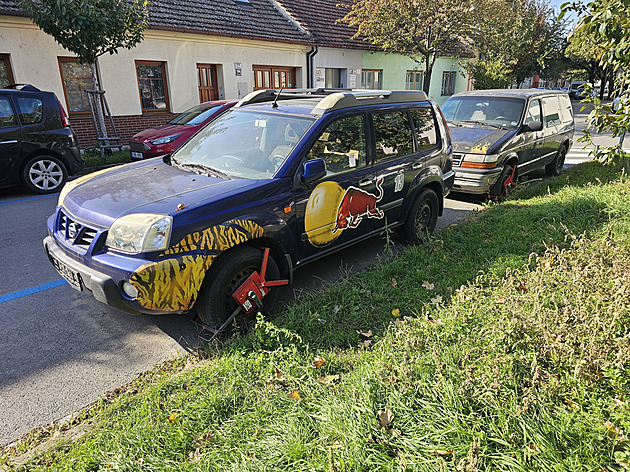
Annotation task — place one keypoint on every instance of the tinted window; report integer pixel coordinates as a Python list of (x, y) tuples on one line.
[(30, 110), (7, 117), (194, 116), (425, 128), (341, 145), (392, 133)]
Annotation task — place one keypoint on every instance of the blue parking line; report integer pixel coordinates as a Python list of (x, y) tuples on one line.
[(31, 291), (29, 199)]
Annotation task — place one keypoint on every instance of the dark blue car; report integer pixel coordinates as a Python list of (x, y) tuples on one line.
[(278, 181)]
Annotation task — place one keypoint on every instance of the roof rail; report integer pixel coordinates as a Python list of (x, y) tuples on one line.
[(334, 99), (27, 87)]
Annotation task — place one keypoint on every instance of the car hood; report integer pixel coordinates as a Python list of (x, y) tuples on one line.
[(161, 131), (147, 187), (478, 140)]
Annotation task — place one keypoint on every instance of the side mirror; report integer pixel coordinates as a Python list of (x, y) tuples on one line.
[(314, 169), (533, 126), (166, 158)]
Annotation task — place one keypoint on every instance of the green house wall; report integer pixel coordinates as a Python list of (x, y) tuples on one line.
[(395, 67)]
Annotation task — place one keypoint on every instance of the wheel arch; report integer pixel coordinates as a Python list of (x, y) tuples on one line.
[(43, 152)]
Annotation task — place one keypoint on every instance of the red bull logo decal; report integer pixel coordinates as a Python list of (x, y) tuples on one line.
[(331, 209)]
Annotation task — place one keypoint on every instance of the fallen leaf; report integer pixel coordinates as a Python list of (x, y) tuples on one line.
[(172, 417), (318, 362), (533, 448), (295, 395), (619, 402), (385, 417), (365, 343), (336, 309), (396, 433), (436, 300), (394, 283), (396, 312), (278, 374), (440, 452), (611, 427), (428, 285), (181, 206), (367, 334), (522, 288), (329, 379), (500, 301), (572, 404), (255, 432)]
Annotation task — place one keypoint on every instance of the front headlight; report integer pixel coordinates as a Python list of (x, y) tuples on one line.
[(480, 161), (165, 139), (140, 232)]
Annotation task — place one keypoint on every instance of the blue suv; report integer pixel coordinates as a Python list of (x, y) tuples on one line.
[(281, 179)]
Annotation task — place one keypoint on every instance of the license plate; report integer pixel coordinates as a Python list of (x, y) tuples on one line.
[(73, 278), (136, 155)]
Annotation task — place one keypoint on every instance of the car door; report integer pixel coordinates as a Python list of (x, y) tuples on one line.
[(533, 141), (400, 158), (10, 139), (552, 127), (343, 206)]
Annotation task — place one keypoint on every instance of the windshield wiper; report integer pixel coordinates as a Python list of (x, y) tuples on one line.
[(481, 123), (203, 169)]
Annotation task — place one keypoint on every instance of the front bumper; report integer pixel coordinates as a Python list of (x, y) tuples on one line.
[(102, 286), (475, 181)]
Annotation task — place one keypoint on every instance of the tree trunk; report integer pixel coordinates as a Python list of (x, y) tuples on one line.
[(429, 62)]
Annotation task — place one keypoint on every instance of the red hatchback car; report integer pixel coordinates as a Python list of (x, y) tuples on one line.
[(165, 139)]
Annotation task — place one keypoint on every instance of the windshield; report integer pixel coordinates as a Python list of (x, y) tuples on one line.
[(492, 111), (194, 116), (245, 144)]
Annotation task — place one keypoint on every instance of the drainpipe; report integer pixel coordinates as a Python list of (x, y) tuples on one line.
[(309, 66)]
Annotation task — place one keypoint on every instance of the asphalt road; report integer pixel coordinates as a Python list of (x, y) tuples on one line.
[(60, 349)]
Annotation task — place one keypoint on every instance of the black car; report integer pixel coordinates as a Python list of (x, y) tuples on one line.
[(37, 146)]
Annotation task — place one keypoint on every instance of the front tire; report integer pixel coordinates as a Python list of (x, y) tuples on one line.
[(501, 187), (422, 218), (215, 303), (44, 174), (555, 166)]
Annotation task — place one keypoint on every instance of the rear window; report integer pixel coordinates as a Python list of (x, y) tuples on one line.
[(424, 123), (393, 135), (30, 109), (551, 110), (7, 118)]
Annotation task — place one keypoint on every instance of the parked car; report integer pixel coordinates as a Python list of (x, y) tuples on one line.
[(501, 134), (161, 140), (575, 87), (37, 146), (279, 180)]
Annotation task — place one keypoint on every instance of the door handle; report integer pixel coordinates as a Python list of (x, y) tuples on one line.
[(364, 182), (417, 165), (13, 141)]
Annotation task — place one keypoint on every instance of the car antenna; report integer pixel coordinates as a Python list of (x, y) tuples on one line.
[(275, 102)]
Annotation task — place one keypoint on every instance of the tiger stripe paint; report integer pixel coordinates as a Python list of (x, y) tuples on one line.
[(172, 284)]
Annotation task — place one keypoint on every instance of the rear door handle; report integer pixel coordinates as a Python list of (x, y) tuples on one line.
[(364, 182), (416, 165)]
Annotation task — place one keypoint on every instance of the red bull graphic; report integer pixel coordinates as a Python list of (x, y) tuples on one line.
[(357, 204), (331, 209)]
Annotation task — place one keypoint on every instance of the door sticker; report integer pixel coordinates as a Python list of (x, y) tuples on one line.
[(330, 210), (399, 182)]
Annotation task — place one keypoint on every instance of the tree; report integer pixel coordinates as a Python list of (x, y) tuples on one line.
[(607, 25), (91, 28), (421, 29), (489, 74)]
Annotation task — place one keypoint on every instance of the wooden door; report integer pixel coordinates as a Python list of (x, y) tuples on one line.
[(207, 82)]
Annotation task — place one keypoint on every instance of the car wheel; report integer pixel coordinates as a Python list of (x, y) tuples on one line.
[(504, 184), (215, 303), (44, 174), (422, 218), (555, 166)]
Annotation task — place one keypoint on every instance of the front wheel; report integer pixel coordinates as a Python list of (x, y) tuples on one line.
[(44, 174), (422, 218), (555, 166), (506, 181), (215, 303)]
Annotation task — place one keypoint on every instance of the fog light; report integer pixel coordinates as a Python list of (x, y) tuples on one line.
[(130, 290)]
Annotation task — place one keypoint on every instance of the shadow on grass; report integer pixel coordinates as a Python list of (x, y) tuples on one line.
[(501, 237)]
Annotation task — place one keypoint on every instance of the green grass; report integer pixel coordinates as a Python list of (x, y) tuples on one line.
[(93, 158), (511, 353)]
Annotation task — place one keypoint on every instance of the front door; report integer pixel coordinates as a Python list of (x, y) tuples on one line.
[(10, 137), (207, 82), (533, 141), (345, 204)]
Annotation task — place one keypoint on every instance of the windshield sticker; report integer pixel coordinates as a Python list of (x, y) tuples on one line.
[(331, 209)]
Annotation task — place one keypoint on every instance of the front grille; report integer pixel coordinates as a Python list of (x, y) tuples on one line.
[(138, 147), (75, 232), (458, 157)]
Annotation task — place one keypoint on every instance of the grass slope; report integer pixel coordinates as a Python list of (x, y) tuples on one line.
[(501, 345)]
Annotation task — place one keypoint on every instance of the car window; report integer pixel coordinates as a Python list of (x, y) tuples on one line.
[(194, 116), (392, 134), (551, 107), (31, 110), (479, 109), (341, 145), (7, 117), (424, 124), (533, 112), (243, 143), (566, 111)]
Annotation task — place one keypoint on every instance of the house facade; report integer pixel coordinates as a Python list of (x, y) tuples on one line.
[(200, 50)]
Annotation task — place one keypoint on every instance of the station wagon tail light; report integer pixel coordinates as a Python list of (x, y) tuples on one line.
[(480, 161), (64, 118), (140, 232)]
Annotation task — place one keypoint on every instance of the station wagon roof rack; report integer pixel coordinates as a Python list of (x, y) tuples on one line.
[(25, 87), (335, 99)]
